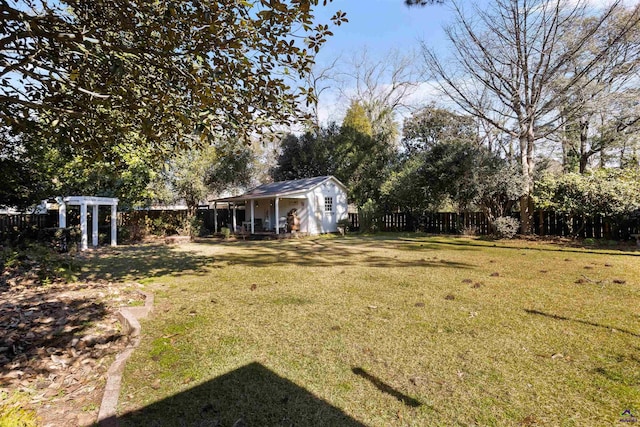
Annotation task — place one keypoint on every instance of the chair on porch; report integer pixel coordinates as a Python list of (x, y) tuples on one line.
[(282, 224)]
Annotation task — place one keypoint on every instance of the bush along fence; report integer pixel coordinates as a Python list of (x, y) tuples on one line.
[(134, 224), (544, 224)]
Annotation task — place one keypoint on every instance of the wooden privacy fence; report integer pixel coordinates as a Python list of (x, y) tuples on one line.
[(544, 224), (437, 222), (14, 224)]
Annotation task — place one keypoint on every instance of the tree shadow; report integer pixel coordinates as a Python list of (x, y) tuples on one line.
[(36, 329), (386, 388), (313, 253), (135, 262), (252, 393), (466, 243), (584, 322)]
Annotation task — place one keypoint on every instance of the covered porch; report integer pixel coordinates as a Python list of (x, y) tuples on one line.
[(307, 205), (263, 216)]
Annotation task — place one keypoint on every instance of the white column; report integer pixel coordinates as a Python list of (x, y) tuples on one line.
[(233, 221), (94, 226), (215, 217), (62, 215), (277, 215), (83, 227), (253, 228), (114, 225)]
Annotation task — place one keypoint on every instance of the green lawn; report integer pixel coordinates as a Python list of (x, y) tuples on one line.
[(384, 330)]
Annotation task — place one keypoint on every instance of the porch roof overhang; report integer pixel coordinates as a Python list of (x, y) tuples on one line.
[(294, 189), (247, 197)]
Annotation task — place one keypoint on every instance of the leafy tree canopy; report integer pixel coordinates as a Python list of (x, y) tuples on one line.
[(430, 125), (200, 172), (308, 155), (219, 65), (356, 120), (113, 87), (349, 152), (606, 192), (462, 172)]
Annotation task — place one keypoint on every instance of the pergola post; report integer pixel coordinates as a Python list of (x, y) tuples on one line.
[(62, 215), (253, 229), (277, 206), (83, 227), (84, 202), (114, 225), (94, 225)]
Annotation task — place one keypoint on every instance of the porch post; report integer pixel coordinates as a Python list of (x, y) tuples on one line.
[(253, 228), (114, 225), (215, 217), (277, 215), (62, 214), (83, 227), (234, 218), (94, 226)]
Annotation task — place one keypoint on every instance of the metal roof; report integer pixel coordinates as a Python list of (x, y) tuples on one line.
[(281, 189)]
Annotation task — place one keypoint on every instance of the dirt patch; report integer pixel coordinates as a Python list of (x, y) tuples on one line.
[(57, 344)]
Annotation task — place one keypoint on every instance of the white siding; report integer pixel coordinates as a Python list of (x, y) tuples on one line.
[(319, 220), (310, 206)]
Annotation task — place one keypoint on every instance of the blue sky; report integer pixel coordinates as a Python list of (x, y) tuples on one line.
[(379, 26)]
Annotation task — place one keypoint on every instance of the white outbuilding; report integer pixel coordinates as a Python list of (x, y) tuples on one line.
[(309, 205)]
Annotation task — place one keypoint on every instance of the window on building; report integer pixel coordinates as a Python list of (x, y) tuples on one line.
[(328, 204)]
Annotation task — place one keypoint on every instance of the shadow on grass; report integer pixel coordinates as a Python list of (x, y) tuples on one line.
[(322, 253), (137, 262), (252, 393), (465, 243), (584, 322), (386, 388)]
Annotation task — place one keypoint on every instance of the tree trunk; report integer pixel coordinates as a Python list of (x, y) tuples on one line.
[(527, 141), (584, 154)]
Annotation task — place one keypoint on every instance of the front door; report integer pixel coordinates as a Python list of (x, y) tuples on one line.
[(329, 215)]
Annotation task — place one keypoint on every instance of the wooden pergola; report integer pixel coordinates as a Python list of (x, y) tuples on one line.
[(84, 202)]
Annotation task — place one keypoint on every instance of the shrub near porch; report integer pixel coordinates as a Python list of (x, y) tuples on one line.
[(391, 330)]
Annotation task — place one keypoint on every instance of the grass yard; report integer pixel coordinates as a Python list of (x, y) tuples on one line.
[(386, 330)]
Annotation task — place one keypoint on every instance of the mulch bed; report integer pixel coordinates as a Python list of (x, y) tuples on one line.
[(57, 343)]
